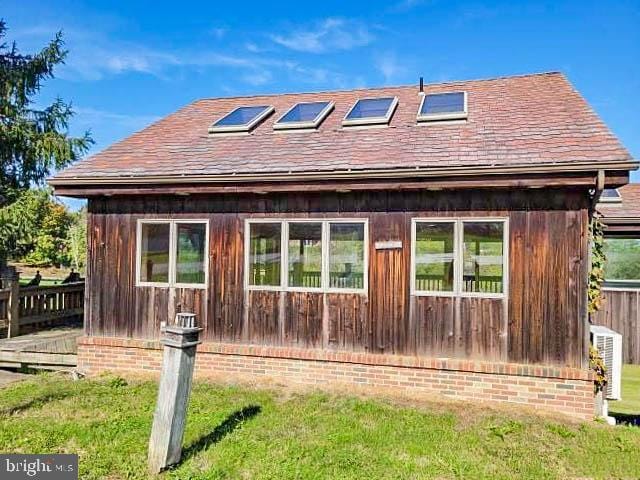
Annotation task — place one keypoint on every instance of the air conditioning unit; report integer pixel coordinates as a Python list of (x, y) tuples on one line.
[(609, 345)]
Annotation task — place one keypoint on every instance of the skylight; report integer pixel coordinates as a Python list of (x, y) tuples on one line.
[(610, 195), (242, 119), (304, 115), (371, 111), (443, 106)]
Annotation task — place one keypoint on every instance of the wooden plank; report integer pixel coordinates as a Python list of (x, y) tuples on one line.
[(547, 241), (36, 358), (303, 319)]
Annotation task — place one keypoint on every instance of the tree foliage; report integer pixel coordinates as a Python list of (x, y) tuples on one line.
[(38, 230), (33, 141)]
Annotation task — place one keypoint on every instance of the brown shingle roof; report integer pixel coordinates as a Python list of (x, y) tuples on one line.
[(526, 120), (628, 208)]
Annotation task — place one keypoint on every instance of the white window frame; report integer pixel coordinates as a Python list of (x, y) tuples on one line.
[(245, 127), (173, 249), (346, 122), (284, 255), (431, 117), (311, 124), (458, 257)]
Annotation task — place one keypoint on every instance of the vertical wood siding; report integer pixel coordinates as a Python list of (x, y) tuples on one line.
[(620, 312), (542, 320)]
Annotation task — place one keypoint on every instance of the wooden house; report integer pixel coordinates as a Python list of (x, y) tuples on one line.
[(619, 210), (411, 239)]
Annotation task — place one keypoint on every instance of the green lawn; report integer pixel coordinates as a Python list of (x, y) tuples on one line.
[(630, 403), (241, 432), (45, 282)]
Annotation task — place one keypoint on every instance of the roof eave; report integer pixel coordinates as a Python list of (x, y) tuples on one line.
[(350, 174)]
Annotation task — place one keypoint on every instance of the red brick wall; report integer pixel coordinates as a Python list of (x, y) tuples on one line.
[(565, 390)]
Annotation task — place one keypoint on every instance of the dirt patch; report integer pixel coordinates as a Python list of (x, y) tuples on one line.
[(7, 377)]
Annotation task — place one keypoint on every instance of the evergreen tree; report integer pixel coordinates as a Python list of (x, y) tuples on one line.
[(33, 141)]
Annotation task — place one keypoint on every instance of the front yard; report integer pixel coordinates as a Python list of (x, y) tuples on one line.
[(630, 404), (241, 432)]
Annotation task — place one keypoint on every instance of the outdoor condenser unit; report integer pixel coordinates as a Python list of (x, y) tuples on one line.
[(609, 345)]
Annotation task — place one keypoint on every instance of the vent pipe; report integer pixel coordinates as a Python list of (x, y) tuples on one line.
[(421, 85)]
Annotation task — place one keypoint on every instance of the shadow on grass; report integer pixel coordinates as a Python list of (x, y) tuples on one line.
[(233, 421), (626, 418), (34, 403)]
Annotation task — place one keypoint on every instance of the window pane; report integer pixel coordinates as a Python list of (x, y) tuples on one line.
[(240, 116), (346, 255), (371, 108), (154, 252), (264, 254), (191, 252), (434, 257), (443, 103), (304, 112), (305, 255), (623, 258), (483, 257)]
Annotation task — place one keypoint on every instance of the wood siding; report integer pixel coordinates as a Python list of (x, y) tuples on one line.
[(542, 319), (621, 312)]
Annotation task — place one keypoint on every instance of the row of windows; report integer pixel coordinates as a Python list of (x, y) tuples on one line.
[(366, 111), (449, 256)]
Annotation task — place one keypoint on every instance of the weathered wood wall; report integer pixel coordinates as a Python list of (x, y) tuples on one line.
[(541, 321), (621, 312)]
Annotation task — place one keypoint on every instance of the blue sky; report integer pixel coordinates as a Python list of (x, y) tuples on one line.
[(131, 63)]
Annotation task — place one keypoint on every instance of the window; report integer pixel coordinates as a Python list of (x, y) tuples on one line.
[(443, 106), (242, 119), (154, 252), (172, 253), (318, 255), (304, 255), (623, 260), (434, 256), (610, 195), (371, 111), (459, 257), (346, 255), (265, 254), (304, 115)]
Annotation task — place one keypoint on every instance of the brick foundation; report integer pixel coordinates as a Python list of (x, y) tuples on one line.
[(564, 390)]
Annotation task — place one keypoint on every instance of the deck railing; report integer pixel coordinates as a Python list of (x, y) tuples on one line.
[(41, 305), (435, 283)]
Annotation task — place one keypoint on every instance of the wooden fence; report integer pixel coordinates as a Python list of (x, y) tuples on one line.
[(620, 311), (40, 306)]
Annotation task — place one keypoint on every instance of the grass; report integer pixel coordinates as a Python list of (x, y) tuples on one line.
[(241, 432), (630, 403), (44, 282)]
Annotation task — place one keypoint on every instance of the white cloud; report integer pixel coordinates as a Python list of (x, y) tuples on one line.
[(90, 117), (94, 56), (258, 78), (388, 65), (218, 32), (329, 34)]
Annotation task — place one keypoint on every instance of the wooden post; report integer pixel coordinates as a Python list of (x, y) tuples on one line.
[(10, 279), (165, 443)]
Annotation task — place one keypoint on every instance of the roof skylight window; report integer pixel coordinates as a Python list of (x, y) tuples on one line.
[(304, 115), (242, 119), (443, 106), (610, 195), (371, 111)]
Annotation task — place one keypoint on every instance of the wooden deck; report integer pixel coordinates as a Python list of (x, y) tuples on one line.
[(49, 349)]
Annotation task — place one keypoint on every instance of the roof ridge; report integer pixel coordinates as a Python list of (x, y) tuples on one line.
[(381, 87)]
